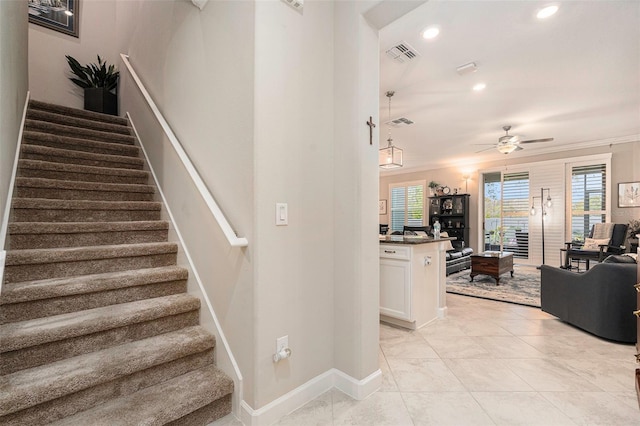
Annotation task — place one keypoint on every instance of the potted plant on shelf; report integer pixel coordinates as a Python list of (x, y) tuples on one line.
[(99, 82), (633, 232), (433, 187)]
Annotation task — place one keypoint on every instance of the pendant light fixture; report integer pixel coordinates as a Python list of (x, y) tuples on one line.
[(390, 157)]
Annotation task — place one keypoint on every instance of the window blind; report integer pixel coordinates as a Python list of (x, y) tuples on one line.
[(588, 198), (515, 213), (407, 206)]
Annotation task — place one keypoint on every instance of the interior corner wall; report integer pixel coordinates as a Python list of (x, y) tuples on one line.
[(294, 158), (356, 246), (48, 68), (13, 86)]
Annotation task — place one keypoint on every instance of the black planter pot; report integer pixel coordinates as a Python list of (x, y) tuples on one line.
[(101, 100)]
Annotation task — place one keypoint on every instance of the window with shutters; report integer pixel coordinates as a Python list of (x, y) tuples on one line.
[(407, 205), (515, 213), (588, 198)]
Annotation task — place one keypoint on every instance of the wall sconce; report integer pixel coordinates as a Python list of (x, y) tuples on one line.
[(466, 183)]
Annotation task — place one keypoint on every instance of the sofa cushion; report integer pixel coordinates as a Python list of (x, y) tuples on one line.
[(619, 258), (455, 254)]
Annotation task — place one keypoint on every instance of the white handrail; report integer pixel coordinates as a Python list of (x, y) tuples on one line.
[(228, 231)]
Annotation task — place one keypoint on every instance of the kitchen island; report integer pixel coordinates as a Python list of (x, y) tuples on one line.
[(412, 280)]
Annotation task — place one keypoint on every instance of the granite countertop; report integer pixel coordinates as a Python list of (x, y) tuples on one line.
[(409, 239)]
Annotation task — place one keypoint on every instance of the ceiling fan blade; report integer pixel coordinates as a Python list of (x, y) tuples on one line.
[(486, 149), (537, 140), (486, 144), (518, 148)]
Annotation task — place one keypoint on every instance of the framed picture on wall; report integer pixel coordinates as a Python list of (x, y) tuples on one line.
[(382, 207), (58, 15), (629, 194)]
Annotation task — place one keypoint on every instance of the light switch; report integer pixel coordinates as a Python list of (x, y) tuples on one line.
[(282, 214)]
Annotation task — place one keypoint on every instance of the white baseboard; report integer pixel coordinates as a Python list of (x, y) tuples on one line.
[(289, 402)]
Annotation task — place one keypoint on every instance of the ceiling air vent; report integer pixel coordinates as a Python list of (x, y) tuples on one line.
[(402, 52), (296, 4), (399, 122)]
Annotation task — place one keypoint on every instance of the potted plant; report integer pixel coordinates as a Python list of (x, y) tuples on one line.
[(433, 186), (634, 229), (99, 82)]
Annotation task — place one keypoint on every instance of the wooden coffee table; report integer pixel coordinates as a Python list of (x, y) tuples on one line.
[(492, 263)]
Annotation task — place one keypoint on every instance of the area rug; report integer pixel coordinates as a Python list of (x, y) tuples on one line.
[(523, 288)]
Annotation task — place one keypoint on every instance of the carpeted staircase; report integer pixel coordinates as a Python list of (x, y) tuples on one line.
[(96, 327)]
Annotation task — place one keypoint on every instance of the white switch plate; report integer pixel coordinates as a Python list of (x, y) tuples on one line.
[(282, 214)]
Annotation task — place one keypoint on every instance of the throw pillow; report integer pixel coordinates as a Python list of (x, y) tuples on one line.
[(447, 245), (593, 243)]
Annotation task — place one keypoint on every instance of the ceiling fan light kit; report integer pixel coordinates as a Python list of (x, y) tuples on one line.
[(510, 143)]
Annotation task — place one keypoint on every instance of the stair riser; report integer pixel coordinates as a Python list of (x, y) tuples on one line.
[(95, 148), (55, 351), (82, 123), (65, 406), (75, 132), (207, 414), (19, 273), (80, 161), (48, 240), (61, 305), (76, 194), (36, 215), (84, 177)]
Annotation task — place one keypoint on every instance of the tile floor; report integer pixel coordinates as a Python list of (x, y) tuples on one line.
[(488, 363)]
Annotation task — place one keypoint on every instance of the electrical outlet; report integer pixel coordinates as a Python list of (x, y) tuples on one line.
[(281, 343)]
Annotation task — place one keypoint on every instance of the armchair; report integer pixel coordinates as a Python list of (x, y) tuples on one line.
[(599, 249)]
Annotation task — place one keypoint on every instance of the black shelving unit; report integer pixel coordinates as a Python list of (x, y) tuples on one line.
[(452, 211)]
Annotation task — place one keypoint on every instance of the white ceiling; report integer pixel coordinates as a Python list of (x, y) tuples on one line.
[(574, 77)]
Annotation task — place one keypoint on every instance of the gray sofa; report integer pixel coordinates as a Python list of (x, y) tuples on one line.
[(600, 301)]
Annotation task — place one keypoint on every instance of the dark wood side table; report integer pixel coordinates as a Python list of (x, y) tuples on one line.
[(492, 263)]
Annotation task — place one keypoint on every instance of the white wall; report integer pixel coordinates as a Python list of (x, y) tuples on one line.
[(13, 88), (49, 71)]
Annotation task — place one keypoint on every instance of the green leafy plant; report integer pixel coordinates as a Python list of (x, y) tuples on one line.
[(634, 228), (434, 185), (93, 75)]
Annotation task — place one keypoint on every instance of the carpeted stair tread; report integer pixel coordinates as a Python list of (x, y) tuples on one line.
[(76, 144), (82, 227), (84, 123), (70, 254), (23, 334), (77, 190), (37, 235), (66, 286), (150, 406), (74, 112), (37, 264), (77, 132), (44, 203), (27, 388), (54, 170), (58, 155)]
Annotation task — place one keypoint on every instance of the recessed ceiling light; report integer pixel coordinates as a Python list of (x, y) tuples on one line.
[(479, 87), (547, 12), (431, 33)]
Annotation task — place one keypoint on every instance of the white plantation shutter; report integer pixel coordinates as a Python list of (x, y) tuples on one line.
[(407, 205), (515, 213), (588, 198)]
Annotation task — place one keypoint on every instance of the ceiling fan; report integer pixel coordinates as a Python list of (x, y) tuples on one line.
[(509, 143)]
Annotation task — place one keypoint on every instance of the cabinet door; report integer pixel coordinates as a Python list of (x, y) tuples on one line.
[(395, 288)]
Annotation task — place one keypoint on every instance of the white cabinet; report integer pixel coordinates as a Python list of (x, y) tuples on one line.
[(412, 279)]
